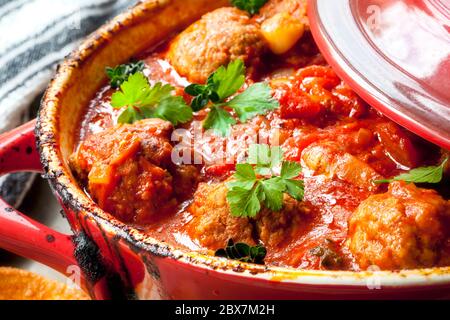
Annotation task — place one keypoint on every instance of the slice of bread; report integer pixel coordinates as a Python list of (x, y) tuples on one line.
[(17, 284)]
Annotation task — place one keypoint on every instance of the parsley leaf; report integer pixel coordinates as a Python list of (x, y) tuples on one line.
[(243, 202), (228, 80), (243, 252), (220, 120), (273, 193), (249, 190), (245, 172), (173, 109), (224, 83), (203, 94), (290, 170), (143, 101), (251, 6), (256, 100), (295, 188), (432, 174), (136, 92), (121, 73), (266, 158)]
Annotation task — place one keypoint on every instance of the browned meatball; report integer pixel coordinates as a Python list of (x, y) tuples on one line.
[(185, 180), (213, 225), (153, 135), (216, 39), (275, 227), (405, 228), (129, 172)]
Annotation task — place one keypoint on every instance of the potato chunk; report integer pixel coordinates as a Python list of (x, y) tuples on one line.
[(327, 159), (405, 228), (282, 32), (216, 39)]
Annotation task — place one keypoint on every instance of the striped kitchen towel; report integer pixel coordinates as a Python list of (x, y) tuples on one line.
[(34, 36)]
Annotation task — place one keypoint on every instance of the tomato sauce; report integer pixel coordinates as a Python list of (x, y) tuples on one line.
[(316, 107)]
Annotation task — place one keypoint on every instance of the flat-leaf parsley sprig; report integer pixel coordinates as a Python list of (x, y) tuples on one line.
[(432, 174), (256, 184), (243, 252), (121, 73), (251, 6), (143, 101), (224, 83)]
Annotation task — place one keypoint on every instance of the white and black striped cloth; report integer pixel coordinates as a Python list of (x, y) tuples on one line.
[(34, 36)]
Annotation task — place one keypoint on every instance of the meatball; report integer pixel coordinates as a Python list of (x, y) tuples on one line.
[(327, 159), (216, 39), (185, 180), (405, 228), (275, 227), (213, 225), (128, 170), (153, 135)]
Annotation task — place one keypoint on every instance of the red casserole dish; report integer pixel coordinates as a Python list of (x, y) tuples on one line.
[(119, 261)]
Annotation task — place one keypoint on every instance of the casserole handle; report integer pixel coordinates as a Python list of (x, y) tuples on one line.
[(18, 233)]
